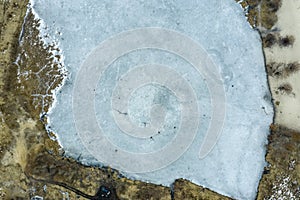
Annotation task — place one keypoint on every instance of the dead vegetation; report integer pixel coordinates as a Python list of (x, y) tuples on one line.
[(282, 70), (286, 41), (271, 39), (285, 88), (190, 191), (281, 179), (261, 13)]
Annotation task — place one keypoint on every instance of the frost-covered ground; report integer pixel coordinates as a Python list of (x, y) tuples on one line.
[(234, 165)]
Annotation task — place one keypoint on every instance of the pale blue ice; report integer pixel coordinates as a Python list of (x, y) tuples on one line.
[(234, 167)]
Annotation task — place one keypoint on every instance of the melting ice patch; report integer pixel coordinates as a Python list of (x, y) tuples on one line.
[(162, 90)]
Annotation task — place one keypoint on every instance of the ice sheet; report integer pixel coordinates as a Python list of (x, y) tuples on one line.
[(235, 164)]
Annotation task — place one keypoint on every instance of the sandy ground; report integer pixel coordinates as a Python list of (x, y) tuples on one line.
[(288, 110)]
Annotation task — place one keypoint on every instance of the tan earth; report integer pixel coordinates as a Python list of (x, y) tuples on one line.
[(287, 87)]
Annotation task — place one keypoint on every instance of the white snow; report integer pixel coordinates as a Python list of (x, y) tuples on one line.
[(281, 190), (235, 164)]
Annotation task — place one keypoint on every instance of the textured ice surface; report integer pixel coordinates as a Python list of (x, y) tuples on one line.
[(235, 164)]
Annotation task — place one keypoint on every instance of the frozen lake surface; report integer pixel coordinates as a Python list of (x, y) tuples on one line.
[(162, 90)]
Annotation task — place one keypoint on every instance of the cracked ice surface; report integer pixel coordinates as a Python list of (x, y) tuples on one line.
[(235, 164)]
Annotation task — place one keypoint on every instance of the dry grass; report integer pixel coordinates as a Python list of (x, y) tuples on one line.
[(282, 70), (282, 175), (285, 88), (286, 41)]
